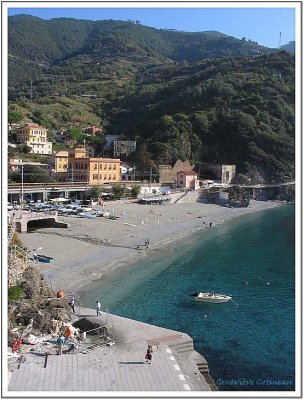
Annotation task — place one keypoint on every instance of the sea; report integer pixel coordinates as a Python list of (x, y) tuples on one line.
[(248, 342)]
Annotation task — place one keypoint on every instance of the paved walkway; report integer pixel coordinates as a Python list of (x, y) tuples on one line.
[(103, 370), (120, 367)]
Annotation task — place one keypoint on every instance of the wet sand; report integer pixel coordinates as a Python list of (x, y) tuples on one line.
[(90, 247)]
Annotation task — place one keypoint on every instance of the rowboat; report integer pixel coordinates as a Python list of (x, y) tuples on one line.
[(86, 215), (42, 258)]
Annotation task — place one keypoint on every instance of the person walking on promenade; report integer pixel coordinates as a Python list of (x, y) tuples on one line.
[(60, 343), (72, 304), (148, 355), (68, 334), (210, 224), (98, 308)]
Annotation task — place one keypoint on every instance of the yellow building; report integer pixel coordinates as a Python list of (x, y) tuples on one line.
[(94, 171), (123, 148), (34, 136), (61, 161)]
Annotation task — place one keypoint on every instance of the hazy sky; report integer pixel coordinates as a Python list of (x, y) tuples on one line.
[(262, 25)]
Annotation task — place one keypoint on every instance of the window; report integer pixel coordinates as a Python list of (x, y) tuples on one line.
[(100, 176), (95, 166), (114, 166), (180, 182), (105, 166), (105, 177), (95, 176)]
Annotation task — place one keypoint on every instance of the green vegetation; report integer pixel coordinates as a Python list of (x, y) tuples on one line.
[(15, 293), (206, 96), (31, 174), (93, 193), (135, 190), (118, 190)]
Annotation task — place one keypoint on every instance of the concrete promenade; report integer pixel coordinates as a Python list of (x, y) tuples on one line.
[(120, 367)]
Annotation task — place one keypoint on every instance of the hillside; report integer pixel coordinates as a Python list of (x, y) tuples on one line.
[(87, 49), (202, 96), (291, 47)]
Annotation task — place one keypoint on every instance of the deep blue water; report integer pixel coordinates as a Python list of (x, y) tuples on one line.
[(248, 342)]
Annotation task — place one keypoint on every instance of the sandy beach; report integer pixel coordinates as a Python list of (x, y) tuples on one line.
[(89, 247)]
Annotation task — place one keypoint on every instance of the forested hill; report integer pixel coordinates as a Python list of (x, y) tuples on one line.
[(238, 111), (203, 96), (35, 44)]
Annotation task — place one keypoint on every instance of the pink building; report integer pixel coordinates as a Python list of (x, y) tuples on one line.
[(187, 180)]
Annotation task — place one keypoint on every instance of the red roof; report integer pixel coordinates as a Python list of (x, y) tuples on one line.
[(190, 173)]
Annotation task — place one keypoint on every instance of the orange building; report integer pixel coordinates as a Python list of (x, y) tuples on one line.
[(94, 171)]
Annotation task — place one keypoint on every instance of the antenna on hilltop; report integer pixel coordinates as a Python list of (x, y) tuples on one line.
[(280, 41)]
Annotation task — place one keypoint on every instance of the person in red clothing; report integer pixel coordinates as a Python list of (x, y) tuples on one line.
[(148, 355), (68, 334)]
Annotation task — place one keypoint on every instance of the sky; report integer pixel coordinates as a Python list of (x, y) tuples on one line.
[(262, 25)]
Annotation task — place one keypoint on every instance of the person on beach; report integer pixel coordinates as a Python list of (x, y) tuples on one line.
[(210, 224), (72, 304), (98, 308), (147, 242), (148, 355), (60, 343)]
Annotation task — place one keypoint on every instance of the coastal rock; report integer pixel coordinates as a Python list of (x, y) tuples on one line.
[(37, 308)]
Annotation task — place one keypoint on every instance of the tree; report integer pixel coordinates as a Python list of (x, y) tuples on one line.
[(135, 190), (118, 189), (14, 116), (143, 158), (31, 174), (93, 193)]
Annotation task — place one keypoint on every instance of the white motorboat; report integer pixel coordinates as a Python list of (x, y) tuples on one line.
[(211, 297)]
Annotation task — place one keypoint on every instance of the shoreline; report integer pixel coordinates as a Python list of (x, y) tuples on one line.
[(98, 246)]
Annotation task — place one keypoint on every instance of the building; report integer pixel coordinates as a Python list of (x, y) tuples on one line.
[(127, 171), (109, 140), (187, 180), (93, 130), (90, 151), (167, 173), (218, 172), (59, 162), (94, 171), (123, 148), (15, 165), (34, 136)]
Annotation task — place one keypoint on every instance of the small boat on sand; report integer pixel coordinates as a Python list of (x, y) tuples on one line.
[(42, 258), (87, 215), (210, 297)]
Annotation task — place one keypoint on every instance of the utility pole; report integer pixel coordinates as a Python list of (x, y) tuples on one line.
[(280, 41), (21, 182)]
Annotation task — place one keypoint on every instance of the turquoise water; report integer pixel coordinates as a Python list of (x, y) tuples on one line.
[(248, 342)]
